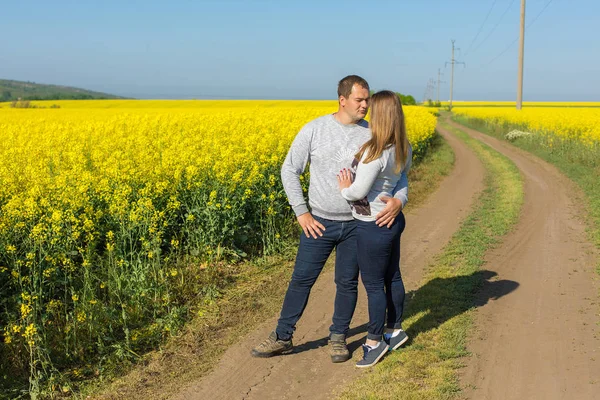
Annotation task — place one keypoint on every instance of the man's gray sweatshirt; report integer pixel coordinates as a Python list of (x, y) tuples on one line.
[(328, 146)]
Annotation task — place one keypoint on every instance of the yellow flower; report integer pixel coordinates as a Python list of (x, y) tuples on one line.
[(25, 310), (53, 305), (81, 317), (30, 332), (48, 272)]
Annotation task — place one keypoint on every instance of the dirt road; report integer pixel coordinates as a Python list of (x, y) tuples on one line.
[(308, 373), (542, 341)]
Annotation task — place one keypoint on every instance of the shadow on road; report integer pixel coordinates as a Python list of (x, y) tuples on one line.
[(315, 344), (438, 300), (442, 299)]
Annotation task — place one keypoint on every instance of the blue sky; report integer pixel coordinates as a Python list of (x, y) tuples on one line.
[(299, 50)]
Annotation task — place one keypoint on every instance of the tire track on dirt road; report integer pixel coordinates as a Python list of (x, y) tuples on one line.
[(541, 342), (308, 372)]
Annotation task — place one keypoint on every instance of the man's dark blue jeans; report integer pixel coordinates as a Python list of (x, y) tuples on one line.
[(311, 257)]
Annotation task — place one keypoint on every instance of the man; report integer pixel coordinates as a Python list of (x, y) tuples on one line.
[(329, 144)]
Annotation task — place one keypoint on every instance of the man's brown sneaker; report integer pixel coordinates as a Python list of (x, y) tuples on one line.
[(338, 350), (272, 347)]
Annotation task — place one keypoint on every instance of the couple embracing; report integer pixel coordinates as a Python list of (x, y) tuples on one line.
[(358, 187)]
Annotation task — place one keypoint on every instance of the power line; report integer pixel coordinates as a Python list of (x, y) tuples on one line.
[(541, 12), (481, 27), (495, 26), (517, 39), (428, 95), (502, 53), (439, 82), (453, 61)]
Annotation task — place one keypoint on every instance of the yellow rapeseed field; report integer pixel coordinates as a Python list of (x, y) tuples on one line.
[(584, 104), (556, 123), (109, 207)]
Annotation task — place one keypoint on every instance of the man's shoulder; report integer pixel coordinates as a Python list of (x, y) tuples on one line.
[(320, 121), (319, 124), (329, 120)]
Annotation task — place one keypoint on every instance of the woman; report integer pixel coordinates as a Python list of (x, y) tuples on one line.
[(384, 160)]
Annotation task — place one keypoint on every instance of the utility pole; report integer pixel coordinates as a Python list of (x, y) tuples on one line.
[(431, 87), (452, 75), (438, 84), (428, 94), (521, 54)]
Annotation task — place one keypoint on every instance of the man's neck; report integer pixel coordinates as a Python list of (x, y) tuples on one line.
[(344, 118)]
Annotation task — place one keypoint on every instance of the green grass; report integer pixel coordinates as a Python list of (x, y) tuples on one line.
[(439, 313), (426, 175), (247, 293), (578, 166)]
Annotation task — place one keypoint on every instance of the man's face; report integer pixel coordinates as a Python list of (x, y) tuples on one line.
[(357, 104)]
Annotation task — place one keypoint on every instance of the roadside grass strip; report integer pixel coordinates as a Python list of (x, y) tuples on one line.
[(567, 157), (439, 314), (243, 295)]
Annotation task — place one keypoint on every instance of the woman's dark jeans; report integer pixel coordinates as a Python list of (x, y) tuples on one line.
[(311, 257), (379, 264)]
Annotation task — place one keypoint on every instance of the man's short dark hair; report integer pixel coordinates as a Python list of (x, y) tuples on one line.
[(346, 84)]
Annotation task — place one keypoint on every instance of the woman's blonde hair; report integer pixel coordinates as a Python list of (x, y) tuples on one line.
[(387, 128)]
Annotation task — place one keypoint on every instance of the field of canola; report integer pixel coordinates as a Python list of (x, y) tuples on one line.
[(572, 104), (560, 124), (111, 212)]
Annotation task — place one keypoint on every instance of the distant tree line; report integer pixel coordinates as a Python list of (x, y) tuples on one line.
[(406, 99), (7, 95), (29, 91)]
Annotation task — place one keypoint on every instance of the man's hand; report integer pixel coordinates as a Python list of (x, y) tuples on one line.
[(393, 206), (344, 179), (310, 226)]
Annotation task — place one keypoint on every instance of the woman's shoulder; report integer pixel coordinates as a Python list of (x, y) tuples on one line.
[(389, 157), (389, 152)]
